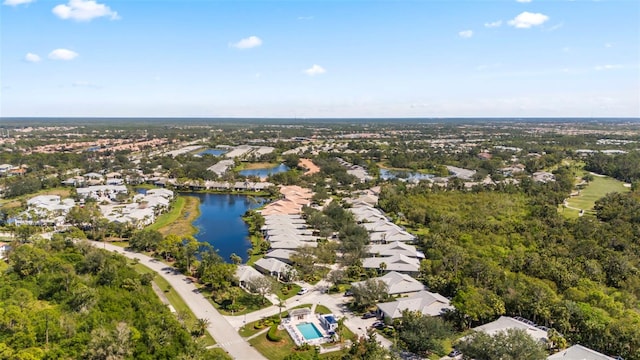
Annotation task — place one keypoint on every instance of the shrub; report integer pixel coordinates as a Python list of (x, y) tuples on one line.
[(272, 335)]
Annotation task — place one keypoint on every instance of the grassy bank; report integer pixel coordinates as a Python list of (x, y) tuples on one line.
[(179, 220)]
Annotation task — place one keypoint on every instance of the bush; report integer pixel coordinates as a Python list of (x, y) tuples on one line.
[(272, 335)]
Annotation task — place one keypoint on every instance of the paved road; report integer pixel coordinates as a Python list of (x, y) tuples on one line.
[(225, 335)]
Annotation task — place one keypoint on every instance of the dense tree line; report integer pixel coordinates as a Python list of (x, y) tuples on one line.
[(624, 167), (61, 300), (510, 252)]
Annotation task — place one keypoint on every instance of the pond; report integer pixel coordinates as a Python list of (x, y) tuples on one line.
[(214, 152), (220, 222), (265, 172), (386, 174)]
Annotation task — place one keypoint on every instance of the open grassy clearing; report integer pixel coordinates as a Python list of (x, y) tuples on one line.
[(179, 220), (594, 190), (175, 300)]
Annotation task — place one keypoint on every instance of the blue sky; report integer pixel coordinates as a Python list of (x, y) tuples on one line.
[(474, 58)]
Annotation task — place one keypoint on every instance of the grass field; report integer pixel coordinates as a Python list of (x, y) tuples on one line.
[(596, 189), (175, 300), (180, 218)]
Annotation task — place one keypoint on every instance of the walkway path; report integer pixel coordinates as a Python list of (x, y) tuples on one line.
[(221, 330)]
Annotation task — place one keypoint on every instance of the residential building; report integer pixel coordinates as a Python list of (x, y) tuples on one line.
[(427, 303), (397, 283), (579, 352), (505, 322)]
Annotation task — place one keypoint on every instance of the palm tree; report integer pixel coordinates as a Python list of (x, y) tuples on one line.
[(201, 326), (383, 266)]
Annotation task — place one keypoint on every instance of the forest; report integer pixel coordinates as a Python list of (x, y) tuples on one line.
[(509, 251), (61, 299)]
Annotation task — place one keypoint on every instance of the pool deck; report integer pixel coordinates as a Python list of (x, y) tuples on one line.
[(291, 326)]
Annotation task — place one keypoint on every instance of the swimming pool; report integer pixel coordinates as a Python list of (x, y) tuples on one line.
[(309, 331)]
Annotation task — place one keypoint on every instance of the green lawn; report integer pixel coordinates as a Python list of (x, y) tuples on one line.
[(321, 309), (250, 328), (288, 293), (170, 216), (175, 300), (249, 303), (596, 189), (278, 350)]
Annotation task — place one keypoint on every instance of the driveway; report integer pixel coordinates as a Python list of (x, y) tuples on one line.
[(225, 335)]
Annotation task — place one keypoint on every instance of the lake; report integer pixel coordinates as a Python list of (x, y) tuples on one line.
[(220, 222), (265, 172), (386, 174)]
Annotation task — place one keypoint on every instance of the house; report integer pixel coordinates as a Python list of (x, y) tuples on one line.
[(274, 267), (394, 248), (543, 176), (400, 263), (579, 352), (329, 322), (4, 249), (283, 255), (102, 192), (505, 322), (245, 273), (397, 283), (221, 167), (391, 236), (427, 303), (165, 193), (461, 173), (44, 210), (5, 168)]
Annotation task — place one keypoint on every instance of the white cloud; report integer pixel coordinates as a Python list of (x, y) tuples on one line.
[(33, 58), (248, 43), (16, 2), (465, 34), (526, 20), (305, 17), (62, 54), (608, 67), (608, 45), (315, 70), (84, 10), (493, 24), (523, 1)]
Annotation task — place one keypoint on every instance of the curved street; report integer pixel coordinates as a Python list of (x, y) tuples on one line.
[(225, 335)]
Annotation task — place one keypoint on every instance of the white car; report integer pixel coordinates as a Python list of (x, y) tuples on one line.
[(303, 291)]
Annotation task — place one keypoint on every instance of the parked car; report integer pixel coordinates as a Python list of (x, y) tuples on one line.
[(454, 353), (303, 291), (378, 325), (348, 293), (369, 315)]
